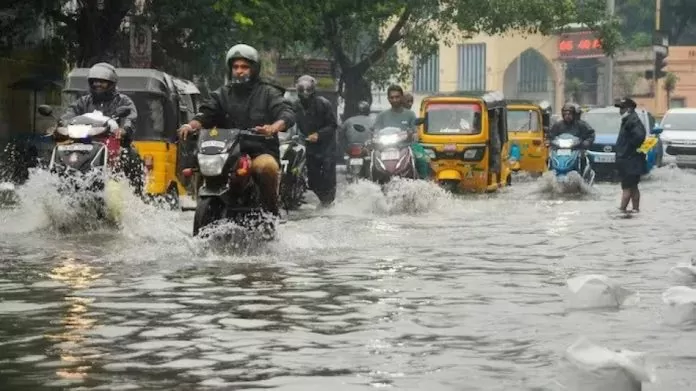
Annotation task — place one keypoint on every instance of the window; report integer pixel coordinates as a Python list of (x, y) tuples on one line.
[(453, 118), (471, 74), (426, 75), (677, 103), (523, 120)]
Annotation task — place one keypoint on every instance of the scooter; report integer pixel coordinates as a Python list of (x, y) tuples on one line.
[(566, 158), (229, 191), (89, 153), (357, 158), (293, 171), (391, 156)]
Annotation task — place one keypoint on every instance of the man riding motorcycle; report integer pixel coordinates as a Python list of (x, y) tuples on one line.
[(104, 96), (572, 124), (247, 102), (316, 120)]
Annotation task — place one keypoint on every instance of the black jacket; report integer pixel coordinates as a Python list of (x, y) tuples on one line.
[(631, 136), (261, 103), (579, 129), (318, 117), (87, 104)]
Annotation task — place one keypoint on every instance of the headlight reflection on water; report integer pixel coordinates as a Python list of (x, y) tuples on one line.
[(76, 321)]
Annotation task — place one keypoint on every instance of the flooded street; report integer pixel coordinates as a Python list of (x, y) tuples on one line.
[(412, 290)]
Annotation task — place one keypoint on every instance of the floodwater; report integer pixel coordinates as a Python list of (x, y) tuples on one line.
[(412, 290)]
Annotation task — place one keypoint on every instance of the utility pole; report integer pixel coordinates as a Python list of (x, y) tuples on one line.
[(658, 60), (611, 9)]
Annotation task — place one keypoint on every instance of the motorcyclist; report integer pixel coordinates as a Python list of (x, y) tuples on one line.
[(397, 116), (572, 124), (247, 102), (104, 96), (316, 120), (351, 135)]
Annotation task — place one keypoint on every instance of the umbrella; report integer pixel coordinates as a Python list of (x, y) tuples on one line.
[(35, 83)]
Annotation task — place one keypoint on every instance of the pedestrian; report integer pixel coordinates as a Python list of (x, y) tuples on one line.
[(316, 120), (630, 162)]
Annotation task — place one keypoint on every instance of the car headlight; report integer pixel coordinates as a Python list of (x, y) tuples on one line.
[(212, 165)]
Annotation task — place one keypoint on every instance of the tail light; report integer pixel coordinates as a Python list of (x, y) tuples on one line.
[(536, 142), (149, 162), (187, 172), (243, 165), (355, 150)]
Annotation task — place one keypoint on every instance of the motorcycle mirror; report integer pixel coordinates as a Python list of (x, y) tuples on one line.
[(359, 128), (123, 112), (45, 110)]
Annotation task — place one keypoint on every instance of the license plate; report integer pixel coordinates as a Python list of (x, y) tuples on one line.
[(355, 162), (450, 148), (75, 147), (605, 158), (563, 152), (390, 155), (213, 144), (686, 158)]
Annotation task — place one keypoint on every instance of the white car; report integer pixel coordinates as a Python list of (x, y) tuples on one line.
[(679, 137)]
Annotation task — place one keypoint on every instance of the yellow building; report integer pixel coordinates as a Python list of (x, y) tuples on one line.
[(521, 67)]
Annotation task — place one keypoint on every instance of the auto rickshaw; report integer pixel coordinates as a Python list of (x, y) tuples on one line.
[(465, 136), (528, 122), (163, 103)]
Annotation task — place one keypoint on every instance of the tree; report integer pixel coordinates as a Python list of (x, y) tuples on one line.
[(678, 19), (88, 30), (417, 25), (627, 82), (671, 81), (573, 89)]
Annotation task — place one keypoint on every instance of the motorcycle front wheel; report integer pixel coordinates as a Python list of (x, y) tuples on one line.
[(208, 211)]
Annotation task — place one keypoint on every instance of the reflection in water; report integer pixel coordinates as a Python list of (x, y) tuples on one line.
[(70, 342), (376, 291)]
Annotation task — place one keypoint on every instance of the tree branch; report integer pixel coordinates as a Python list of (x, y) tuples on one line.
[(331, 28), (394, 36)]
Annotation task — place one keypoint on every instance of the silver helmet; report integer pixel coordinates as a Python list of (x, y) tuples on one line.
[(103, 71), (245, 52), (306, 86)]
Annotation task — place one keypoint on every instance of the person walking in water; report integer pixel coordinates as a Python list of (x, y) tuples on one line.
[(630, 162)]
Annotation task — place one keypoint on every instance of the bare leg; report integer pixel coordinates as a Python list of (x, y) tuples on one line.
[(635, 199), (625, 198)]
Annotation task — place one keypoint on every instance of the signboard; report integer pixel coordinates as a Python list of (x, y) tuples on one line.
[(581, 44), (140, 46)]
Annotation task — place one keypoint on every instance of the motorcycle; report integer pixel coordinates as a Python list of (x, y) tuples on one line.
[(229, 192), (391, 156), (293, 171), (89, 154), (357, 158), (566, 158)]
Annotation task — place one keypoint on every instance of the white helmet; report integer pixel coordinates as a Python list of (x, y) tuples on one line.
[(103, 71), (245, 52)]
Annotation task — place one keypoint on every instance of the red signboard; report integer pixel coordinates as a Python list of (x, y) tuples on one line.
[(581, 44)]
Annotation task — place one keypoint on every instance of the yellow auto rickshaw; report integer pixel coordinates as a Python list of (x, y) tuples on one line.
[(163, 103), (528, 123), (465, 136)]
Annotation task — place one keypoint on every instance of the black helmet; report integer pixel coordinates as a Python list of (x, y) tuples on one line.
[(103, 71), (243, 52), (571, 107), (306, 86), (363, 108)]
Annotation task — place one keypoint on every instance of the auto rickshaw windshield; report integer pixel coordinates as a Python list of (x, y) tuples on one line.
[(150, 107), (453, 118), (523, 121)]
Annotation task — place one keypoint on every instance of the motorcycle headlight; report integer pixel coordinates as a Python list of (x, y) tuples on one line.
[(391, 138), (212, 165)]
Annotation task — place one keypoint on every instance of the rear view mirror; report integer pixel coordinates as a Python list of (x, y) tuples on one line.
[(656, 130), (45, 110), (420, 121), (123, 112), (359, 128)]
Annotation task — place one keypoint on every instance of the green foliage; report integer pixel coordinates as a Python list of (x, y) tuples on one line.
[(678, 19), (671, 81)]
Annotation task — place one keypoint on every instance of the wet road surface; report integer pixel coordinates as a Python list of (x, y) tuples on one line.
[(412, 290)]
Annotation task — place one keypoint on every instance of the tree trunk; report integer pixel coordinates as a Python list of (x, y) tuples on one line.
[(98, 30), (354, 89)]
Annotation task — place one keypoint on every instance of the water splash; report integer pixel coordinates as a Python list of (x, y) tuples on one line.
[(574, 186), (399, 196)]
